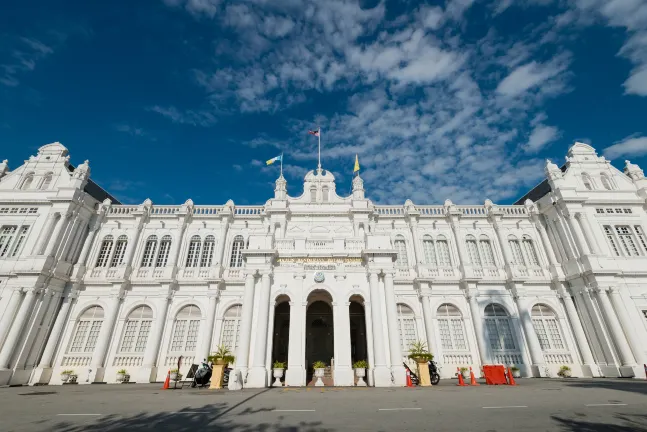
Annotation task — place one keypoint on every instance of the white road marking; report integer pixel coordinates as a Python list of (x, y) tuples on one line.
[(305, 410), (398, 409), (84, 414), (606, 404), (190, 412), (504, 407)]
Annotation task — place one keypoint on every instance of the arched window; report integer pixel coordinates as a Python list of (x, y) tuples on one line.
[(136, 330), (472, 251), (406, 327), (194, 251), (452, 330), (487, 254), (237, 252), (313, 194), (531, 252), (207, 251), (588, 184), (429, 250), (47, 180), (26, 183), (120, 251), (324, 194), (104, 252), (231, 328), (444, 259), (546, 327), (497, 323), (401, 248), (515, 249), (162, 255), (87, 330), (185, 329), (149, 251), (606, 183)]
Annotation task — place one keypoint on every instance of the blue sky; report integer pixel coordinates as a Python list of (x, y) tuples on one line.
[(455, 99)]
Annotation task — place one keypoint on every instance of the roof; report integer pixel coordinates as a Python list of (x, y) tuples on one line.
[(96, 191), (539, 191)]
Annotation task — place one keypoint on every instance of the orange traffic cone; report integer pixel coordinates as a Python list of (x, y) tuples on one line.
[(409, 383), (167, 382), (645, 366), (473, 378), (511, 378), (461, 382)]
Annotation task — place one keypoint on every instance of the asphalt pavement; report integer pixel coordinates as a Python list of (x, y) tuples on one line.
[(535, 404)]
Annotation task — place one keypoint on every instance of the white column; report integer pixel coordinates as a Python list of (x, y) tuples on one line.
[(503, 244), (588, 233), (550, 229), (478, 326), (397, 369), (429, 327), (578, 329), (574, 227), (45, 233), (149, 363), (382, 374), (26, 308), (107, 328), (176, 246), (369, 341), (132, 245), (563, 238), (55, 335), (9, 313), (418, 258), (72, 237), (242, 356), (222, 241), (295, 375), (208, 331), (545, 242), (536, 355), (343, 369), (258, 374), (624, 352), (462, 256), (626, 324), (50, 250), (88, 245)]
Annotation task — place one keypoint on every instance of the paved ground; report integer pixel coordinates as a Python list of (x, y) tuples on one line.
[(539, 404)]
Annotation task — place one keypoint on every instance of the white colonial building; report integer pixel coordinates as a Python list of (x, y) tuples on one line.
[(94, 286)]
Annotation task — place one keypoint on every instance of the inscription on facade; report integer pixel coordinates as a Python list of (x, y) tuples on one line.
[(319, 263)]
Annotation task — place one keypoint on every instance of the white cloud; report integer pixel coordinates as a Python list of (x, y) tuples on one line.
[(191, 117), (531, 75), (541, 136), (24, 54), (631, 146)]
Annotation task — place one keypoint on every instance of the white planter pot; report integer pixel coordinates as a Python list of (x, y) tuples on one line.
[(65, 377), (319, 373), (565, 374), (73, 379), (173, 376), (360, 373), (278, 374), (466, 374), (516, 373), (120, 377)]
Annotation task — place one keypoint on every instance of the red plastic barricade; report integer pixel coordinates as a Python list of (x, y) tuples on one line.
[(494, 375)]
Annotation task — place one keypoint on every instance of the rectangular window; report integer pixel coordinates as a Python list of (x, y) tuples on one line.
[(612, 241), (458, 333), (142, 337), (22, 235), (506, 333), (443, 253), (177, 343), (541, 333), (445, 334), (517, 256), (192, 335), (609, 210), (626, 240), (473, 253), (6, 238), (487, 253), (619, 210), (230, 331), (627, 211), (93, 336), (79, 336), (641, 237), (129, 336), (493, 334), (555, 336), (599, 210)]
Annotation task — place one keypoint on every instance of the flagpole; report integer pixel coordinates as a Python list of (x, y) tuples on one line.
[(319, 167), (281, 164)]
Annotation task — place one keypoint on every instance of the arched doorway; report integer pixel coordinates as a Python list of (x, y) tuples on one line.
[(358, 345), (320, 343), (281, 330)]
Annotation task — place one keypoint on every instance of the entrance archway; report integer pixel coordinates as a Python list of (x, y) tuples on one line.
[(281, 339), (358, 344), (320, 344)]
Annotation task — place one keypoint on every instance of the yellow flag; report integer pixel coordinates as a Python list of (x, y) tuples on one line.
[(356, 169)]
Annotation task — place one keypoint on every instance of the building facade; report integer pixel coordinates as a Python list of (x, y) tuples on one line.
[(93, 286)]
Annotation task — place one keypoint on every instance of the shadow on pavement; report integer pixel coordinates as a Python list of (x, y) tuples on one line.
[(628, 385), (194, 419), (626, 423)]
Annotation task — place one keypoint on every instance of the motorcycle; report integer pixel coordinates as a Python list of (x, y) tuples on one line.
[(414, 378), (433, 372), (202, 375), (225, 376)]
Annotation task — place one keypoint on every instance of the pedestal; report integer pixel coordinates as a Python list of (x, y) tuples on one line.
[(319, 373), (423, 374), (382, 376), (399, 375), (360, 373), (145, 375), (42, 375), (216, 376), (257, 378)]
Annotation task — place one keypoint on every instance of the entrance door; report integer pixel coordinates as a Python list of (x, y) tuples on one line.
[(319, 340)]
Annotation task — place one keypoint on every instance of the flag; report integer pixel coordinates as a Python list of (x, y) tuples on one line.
[(314, 132), (275, 159), (356, 169)]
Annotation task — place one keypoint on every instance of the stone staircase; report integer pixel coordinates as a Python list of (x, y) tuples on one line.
[(327, 378)]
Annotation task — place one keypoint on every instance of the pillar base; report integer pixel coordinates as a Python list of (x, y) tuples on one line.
[(630, 371), (42, 375), (399, 376), (591, 370), (610, 371), (96, 375), (5, 376), (382, 376), (344, 376), (257, 377), (146, 374), (235, 380), (295, 376)]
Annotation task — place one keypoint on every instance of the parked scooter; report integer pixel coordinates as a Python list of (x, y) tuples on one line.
[(225, 376), (433, 372), (202, 375)]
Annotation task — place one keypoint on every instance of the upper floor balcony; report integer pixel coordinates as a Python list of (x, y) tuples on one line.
[(323, 245)]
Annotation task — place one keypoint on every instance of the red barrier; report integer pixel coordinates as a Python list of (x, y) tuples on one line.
[(494, 375)]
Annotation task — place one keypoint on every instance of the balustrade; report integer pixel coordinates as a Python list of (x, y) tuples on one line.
[(76, 361), (508, 359), (457, 358), (557, 358), (284, 244), (128, 361)]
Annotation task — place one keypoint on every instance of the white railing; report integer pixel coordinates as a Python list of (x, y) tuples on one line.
[(249, 211), (472, 210), (403, 272), (206, 210), (431, 211), (132, 360), (172, 360), (478, 272), (80, 360), (111, 273), (96, 272), (165, 210), (354, 244), (562, 359), (284, 244), (234, 273), (158, 272), (319, 244), (508, 359), (143, 272), (457, 358), (204, 272), (121, 210), (389, 210), (188, 272), (514, 210)]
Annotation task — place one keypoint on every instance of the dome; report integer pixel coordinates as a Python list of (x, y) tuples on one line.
[(321, 175)]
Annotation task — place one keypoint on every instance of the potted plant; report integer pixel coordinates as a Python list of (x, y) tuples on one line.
[(121, 375), (65, 375), (360, 372), (222, 356), (564, 372), (465, 372), (515, 371), (419, 353), (279, 369), (320, 370), (175, 375)]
